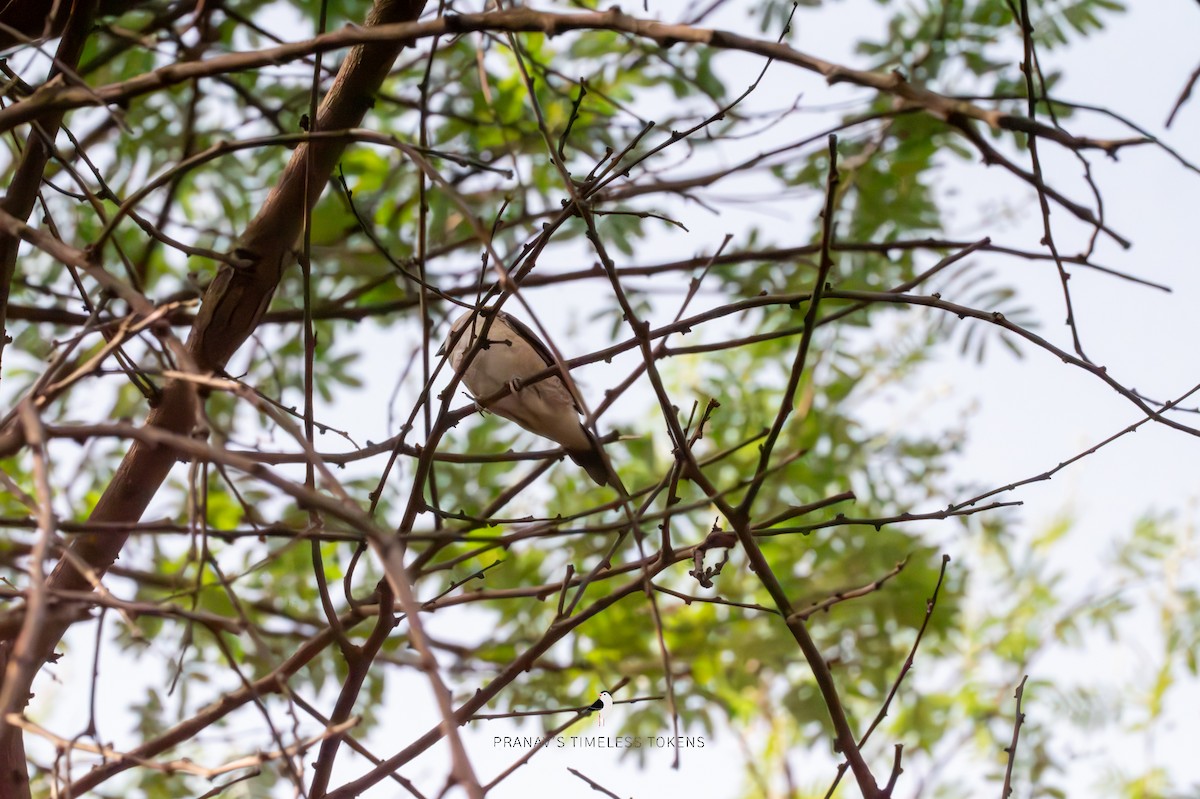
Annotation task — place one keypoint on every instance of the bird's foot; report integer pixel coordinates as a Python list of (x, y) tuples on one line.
[(474, 401)]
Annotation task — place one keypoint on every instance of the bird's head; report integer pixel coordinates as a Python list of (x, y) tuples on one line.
[(454, 337)]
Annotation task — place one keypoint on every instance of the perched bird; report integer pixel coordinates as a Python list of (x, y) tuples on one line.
[(603, 704), (510, 354)]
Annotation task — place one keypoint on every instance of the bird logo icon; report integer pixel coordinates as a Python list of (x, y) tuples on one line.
[(601, 706)]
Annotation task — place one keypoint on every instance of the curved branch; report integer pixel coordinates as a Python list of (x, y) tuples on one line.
[(527, 20)]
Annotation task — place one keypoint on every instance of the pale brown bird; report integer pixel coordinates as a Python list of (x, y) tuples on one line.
[(511, 354)]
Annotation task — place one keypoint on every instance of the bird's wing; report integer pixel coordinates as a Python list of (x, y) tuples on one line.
[(543, 352), (579, 441), (526, 332)]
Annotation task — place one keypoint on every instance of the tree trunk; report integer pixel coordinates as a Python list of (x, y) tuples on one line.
[(232, 308)]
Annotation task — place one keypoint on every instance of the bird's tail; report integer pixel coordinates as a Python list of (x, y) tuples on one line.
[(591, 460), (592, 463)]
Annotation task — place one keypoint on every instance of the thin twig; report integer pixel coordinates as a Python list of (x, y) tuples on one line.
[(1011, 749)]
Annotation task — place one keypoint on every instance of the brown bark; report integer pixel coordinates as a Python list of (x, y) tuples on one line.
[(19, 198), (33, 20), (21, 192), (233, 306), (14, 779), (25, 20)]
